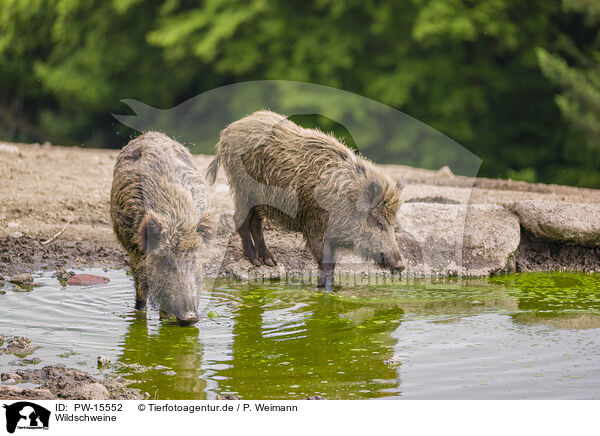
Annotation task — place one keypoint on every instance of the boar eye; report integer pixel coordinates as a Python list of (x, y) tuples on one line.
[(380, 224)]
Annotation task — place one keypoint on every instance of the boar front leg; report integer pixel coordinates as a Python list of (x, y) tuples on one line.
[(326, 260), (138, 265)]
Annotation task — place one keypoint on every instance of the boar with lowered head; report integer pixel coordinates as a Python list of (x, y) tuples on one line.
[(306, 181), (158, 207)]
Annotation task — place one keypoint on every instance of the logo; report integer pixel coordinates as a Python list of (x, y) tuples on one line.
[(26, 415)]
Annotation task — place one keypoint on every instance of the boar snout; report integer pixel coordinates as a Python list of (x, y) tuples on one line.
[(188, 319), (393, 261)]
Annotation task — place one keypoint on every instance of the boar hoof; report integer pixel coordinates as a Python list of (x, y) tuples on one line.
[(255, 261), (326, 283), (265, 256), (270, 261), (398, 268)]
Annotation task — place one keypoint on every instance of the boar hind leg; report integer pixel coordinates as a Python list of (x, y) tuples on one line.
[(247, 244), (263, 253)]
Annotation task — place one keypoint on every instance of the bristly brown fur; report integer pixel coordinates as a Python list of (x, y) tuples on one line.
[(159, 213), (307, 181)]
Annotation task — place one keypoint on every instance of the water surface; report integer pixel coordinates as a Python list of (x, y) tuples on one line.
[(507, 337)]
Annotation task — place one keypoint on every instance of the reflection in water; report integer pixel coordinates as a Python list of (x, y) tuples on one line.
[(556, 299), (323, 346), (172, 358), (534, 335)]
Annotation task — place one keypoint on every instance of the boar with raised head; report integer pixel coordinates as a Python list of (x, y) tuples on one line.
[(158, 207), (306, 181)]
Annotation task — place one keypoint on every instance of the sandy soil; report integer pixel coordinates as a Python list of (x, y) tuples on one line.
[(44, 186)]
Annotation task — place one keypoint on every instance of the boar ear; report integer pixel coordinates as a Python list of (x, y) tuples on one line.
[(149, 232), (206, 227), (369, 197)]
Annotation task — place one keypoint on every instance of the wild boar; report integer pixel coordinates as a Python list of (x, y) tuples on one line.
[(159, 211), (306, 181)]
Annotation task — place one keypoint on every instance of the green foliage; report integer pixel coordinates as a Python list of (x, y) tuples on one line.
[(573, 67), (579, 101), (483, 72)]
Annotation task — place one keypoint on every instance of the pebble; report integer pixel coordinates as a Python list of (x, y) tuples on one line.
[(22, 279), (227, 397), (103, 361), (394, 361), (26, 361), (10, 376), (87, 279), (63, 274)]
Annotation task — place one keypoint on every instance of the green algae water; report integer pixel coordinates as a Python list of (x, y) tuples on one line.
[(507, 337)]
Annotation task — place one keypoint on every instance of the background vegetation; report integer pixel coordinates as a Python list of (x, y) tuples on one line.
[(515, 82)]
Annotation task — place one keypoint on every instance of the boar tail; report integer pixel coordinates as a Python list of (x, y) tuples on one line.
[(211, 173)]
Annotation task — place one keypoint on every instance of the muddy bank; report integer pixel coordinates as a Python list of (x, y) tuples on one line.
[(56, 381), (449, 225)]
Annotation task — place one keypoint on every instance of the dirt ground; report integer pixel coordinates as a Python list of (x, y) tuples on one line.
[(43, 187)]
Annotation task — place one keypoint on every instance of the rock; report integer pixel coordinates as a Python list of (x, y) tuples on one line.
[(14, 392), (90, 391), (10, 375), (27, 361), (393, 361), (574, 223), (19, 346), (103, 361), (492, 236), (86, 280), (315, 397), (75, 384), (467, 240), (8, 149), (22, 279), (227, 397), (64, 275), (44, 394)]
